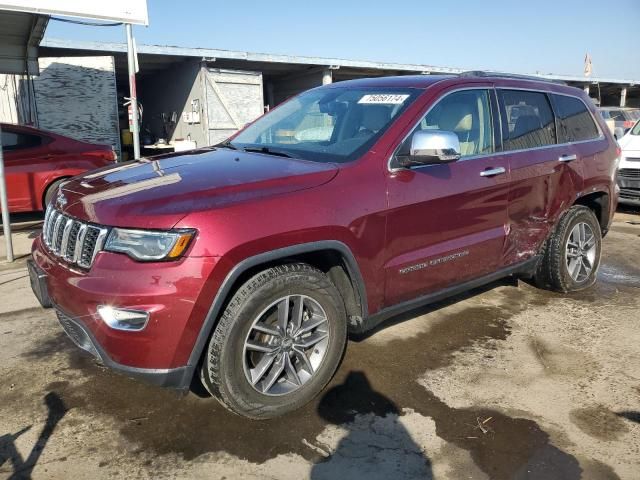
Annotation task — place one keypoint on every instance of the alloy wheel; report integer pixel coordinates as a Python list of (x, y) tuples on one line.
[(581, 252), (286, 345)]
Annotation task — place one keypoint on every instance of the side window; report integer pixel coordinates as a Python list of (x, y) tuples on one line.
[(575, 121), (12, 141), (467, 113), (530, 122)]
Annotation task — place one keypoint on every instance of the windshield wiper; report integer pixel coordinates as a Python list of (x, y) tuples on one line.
[(266, 150), (228, 145)]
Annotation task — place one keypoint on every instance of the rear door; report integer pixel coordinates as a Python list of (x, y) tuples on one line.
[(446, 222), (24, 154), (577, 127), (545, 176)]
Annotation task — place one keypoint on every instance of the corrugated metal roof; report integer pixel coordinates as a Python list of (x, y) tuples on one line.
[(210, 53), (20, 35)]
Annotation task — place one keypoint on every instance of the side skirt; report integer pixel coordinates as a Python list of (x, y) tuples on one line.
[(526, 268)]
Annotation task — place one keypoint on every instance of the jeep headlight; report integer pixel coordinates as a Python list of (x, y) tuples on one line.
[(149, 245)]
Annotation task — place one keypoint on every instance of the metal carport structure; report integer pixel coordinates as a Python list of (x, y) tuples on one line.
[(22, 26), (20, 36)]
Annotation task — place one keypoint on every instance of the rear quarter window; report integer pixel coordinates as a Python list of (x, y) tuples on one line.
[(13, 141), (575, 123)]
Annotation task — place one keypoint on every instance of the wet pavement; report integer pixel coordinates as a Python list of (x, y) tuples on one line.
[(505, 382)]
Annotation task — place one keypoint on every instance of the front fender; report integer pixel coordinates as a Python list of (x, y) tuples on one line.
[(229, 283)]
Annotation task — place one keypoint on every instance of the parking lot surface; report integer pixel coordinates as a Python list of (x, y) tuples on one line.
[(506, 382)]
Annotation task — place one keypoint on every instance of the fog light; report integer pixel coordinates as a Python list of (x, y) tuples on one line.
[(123, 319)]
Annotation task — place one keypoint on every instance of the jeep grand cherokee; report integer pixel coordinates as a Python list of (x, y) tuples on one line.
[(248, 263)]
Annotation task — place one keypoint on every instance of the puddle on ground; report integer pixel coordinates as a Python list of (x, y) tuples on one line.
[(599, 422), (373, 379), (624, 275)]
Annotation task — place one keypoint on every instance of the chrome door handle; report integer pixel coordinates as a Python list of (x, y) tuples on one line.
[(567, 158), (492, 172)]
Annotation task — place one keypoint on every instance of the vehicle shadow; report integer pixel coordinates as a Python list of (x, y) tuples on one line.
[(22, 468), (377, 445), (622, 208), (434, 307)]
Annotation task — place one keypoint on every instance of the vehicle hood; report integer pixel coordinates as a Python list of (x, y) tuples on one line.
[(630, 143), (158, 192)]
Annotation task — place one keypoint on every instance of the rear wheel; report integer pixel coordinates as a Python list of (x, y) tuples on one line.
[(278, 343), (572, 254)]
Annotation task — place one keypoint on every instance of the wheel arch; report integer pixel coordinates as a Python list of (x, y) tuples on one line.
[(333, 257), (599, 203), (50, 183)]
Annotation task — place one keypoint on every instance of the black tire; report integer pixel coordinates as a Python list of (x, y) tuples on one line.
[(222, 371), (51, 191), (553, 270)]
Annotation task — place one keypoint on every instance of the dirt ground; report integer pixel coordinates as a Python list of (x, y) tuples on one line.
[(506, 382)]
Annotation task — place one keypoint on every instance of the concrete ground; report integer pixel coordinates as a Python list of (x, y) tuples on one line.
[(507, 382)]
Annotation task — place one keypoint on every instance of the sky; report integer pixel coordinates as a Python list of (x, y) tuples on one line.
[(545, 36)]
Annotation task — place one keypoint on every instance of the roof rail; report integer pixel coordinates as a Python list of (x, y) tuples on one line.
[(484, 73)]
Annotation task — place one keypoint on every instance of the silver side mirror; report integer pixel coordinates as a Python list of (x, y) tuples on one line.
[(429, 147)]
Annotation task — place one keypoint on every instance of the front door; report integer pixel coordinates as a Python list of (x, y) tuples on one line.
[(446, 222)]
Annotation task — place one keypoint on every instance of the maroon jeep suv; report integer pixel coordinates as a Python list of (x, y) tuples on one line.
[(247, 264)]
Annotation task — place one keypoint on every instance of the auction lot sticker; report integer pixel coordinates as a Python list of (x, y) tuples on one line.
[(384, 99)]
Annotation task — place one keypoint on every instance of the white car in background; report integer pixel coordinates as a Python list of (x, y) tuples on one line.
[(629, 168)]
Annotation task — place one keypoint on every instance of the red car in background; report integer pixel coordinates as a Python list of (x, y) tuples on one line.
[(36, 162)]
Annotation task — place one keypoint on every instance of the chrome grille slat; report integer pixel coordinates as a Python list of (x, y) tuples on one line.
[(52, 221), (629, 172), (74, 241), (45, 225), (92, 244), (69, 252), (99, 244), (65, 237), (79, 243), (57, 233)]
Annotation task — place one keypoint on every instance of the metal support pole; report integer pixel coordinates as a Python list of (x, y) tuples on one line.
[(327, 76), (623, 97), (4, 206), (135, 128)]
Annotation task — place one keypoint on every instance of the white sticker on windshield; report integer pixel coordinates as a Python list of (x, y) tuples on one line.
[(384, 98)]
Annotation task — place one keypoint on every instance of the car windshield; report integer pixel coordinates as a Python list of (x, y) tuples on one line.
[(617, 115), (326, 124), (636, 129)]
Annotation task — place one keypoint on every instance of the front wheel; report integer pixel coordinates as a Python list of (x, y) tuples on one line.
[(278, 342), (572, 253)]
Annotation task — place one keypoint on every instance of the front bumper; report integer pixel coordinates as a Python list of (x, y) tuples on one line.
[(178, 378), (629, 183), (174, 293)]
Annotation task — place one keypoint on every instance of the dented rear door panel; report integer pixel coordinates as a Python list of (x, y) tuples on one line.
[(542, 187)]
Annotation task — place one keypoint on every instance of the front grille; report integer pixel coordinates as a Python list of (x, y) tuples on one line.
[(630, 194), (72, 240), (629, 173)]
